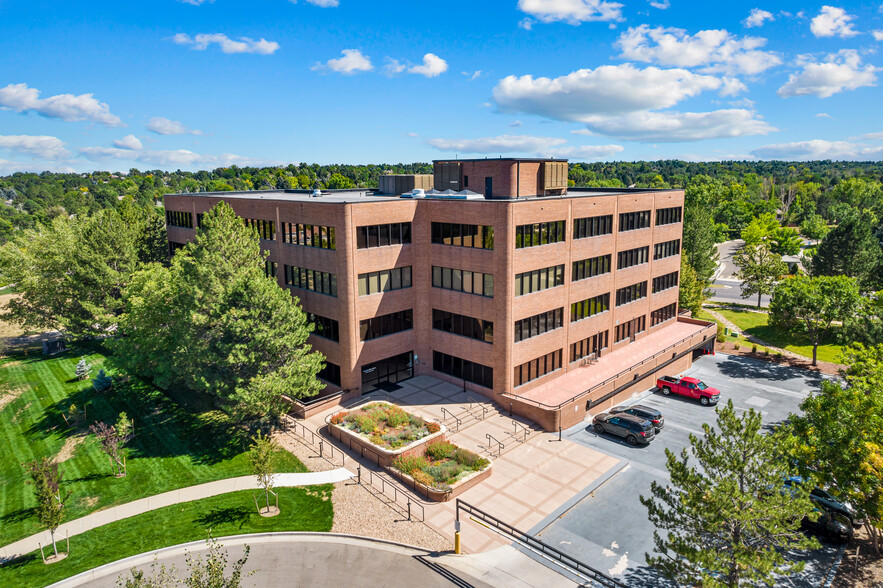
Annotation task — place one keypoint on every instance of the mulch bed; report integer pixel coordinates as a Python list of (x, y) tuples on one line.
[(864, 571), (800, 363)]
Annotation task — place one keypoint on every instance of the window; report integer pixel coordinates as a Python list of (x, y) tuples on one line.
[(592, 226), (387, 324), (309, 279), (173, 247), (632, 257), (668, 216), (330, 373), (630, 221), (589, 307), (309, 235), (270, 268), (460, 280), (475, 236), (177, 218), (539, 324), (539, 234), (589, 346), (589, 268), (630, 329), (463, 325), (463, 369), (383, 235), (199, 216), (396, 278), (665, 282), (541, 279), (660, 315), (537, 368), (631, 293), (324, 327), (667, 249), (266, 229)]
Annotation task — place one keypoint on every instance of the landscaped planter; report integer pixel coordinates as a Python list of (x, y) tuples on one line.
[(348, 434), (443, 471)]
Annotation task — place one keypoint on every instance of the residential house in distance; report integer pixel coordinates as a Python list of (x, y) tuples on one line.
[(552, 301)]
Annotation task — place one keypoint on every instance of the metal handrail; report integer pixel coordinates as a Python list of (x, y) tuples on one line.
[(596, 386), (500, 446), (410, 501), (526, 431), (567, 562), (320, 446), (450, 415), (481, 405)]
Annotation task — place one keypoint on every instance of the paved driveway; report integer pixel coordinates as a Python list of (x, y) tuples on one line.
[(609, 529)]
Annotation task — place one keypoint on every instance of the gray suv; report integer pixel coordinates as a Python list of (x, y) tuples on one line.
[(634, 429)]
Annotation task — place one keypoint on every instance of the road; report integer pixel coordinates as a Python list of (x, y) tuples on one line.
[(726, 287)]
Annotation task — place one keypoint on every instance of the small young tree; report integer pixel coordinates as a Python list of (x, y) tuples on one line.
[(728, 521), (46, 480), (759, 270), (112, 439), (102, 382), (208, 571), (83, 369), (263, 462)]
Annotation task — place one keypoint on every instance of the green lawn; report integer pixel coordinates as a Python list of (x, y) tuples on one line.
[(755, 323), (301, 509), (172, 448)]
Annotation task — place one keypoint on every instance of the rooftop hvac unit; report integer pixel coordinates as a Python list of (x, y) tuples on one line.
[(316, 193)]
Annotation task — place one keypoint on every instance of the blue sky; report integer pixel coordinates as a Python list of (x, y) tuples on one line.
[(201, 84)]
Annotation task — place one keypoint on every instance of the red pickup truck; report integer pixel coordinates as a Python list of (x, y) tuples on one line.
[(692, 387)]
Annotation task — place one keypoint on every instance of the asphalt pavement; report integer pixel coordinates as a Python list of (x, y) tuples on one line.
[(609, 529)]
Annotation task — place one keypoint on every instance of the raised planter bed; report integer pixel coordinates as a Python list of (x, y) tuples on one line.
[(405, 434), (443, 471)]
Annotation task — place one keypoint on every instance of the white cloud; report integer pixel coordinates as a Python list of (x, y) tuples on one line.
[(67, 107), (179, 158), (661, 5), (823, 115), (164, 126), (841, 71), (587, 151), (352, 61), (833, 22), (582, 132), (674, 127), (202, 41), (878, 35), (393, 66), (820, 149), (515, 124), (872, 136), (570, 11), (129, 142), (716, 50), (433, 66), (757, 18), (38, 146), (10, 167), (499, 144), (472, 75), (196, 2), (321, 3), (526, 24)]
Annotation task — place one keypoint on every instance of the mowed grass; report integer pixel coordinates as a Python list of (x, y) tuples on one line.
[(172, 447), (301, 509), (757, 324)]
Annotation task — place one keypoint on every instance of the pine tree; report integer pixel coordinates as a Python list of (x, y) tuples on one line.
[(83, 369), (728, 522), (102, 382)]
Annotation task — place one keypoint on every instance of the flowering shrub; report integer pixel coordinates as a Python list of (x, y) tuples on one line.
[(440, 450), (396, 417), (410, 463), (441, 465), (387, 426), (339, 418), (433, 427)]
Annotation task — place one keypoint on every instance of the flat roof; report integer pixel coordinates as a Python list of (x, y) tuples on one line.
[(500, 159)]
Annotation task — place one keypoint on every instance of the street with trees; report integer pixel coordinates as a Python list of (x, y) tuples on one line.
[(759, 269)]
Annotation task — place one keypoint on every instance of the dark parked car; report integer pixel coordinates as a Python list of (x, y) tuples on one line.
[(827, 503), (642, 412), (635, 430)]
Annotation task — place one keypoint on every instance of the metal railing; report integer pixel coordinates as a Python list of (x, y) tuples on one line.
[(500, 445), (572, 565), (516, 424), (316, 442), (410, 504), (450, 416)]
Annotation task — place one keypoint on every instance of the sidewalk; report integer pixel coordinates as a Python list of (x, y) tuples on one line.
[(130, 509)]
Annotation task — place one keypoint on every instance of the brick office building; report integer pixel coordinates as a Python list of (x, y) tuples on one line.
[(550, 300)]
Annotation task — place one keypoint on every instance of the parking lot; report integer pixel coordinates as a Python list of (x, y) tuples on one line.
[(609, 530)]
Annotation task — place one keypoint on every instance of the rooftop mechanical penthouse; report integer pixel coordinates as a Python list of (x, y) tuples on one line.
[(553, 301)]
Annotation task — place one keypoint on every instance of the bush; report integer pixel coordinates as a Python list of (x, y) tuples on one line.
[(416, 421), (433, 427), (754, 349), (396, 417), (423, 478), (339, 418), (102, 382), (721, 336), (376, 440), (440, 450), (779, 355), (444, 473), (366, 423), (469, 459), (736, 346), (410, 463)]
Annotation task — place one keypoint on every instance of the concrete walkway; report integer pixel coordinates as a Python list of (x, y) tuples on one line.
[(328, 559), (188, 494)]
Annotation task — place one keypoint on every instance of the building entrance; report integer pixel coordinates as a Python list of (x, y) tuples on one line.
[(381, 374)]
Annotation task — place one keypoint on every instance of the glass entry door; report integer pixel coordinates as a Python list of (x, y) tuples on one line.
[(387, 371)]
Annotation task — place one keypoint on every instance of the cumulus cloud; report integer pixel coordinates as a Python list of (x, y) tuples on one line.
[(714, 50), (351, 62), (840, 71), (164, 126), (67, 107), (178, 158), (393, 66), (129, 142), (661, 5), (833, 22), (878, 35), (570, 11), (38, 146), (432, 66), (587, 151), (499, 144), (202, 41), (674, 127), (820, 149), (757, 18)]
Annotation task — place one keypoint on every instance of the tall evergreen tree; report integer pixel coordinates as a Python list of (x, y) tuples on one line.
[(852, 249), (698, 246)]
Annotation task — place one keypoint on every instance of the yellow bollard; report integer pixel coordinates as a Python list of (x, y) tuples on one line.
[(457, 542)]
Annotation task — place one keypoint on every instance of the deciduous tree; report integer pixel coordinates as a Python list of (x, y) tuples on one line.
[(112, 439), (852, 249), (759, 270), (692, 292), (726, 519), (785, 241), (46, 480), (262, 455)]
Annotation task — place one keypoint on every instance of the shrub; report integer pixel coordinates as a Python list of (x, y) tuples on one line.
[(779, 355), (721, 337), (423, 478), (416, 421), (366, 423), (433, 427), (736, 346), (440, 450), (410, 463), (376, 440), (393, 439), (396, 417), (754, 349), (469, 459), (102, 382), (445, 472), (339, 418)]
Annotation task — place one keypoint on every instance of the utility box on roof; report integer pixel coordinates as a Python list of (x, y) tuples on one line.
[(447, 175), (402, 183), (555, 175)]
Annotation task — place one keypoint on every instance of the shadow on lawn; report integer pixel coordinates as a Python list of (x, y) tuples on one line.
[(234, 515), (17, 516)]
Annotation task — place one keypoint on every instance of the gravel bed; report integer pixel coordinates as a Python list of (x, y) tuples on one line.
[(359, 512)]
